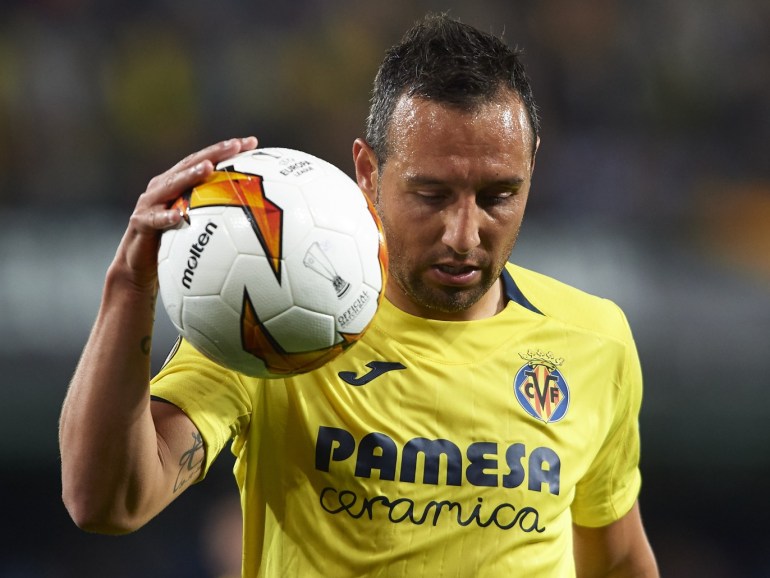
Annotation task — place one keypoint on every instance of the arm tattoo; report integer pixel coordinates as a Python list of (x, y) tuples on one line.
[(146, 344), (190, 463)]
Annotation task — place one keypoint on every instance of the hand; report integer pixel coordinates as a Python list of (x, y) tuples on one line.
[(137, 254)]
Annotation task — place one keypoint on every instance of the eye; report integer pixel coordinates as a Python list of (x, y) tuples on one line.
[(495, 198), (431, 197)]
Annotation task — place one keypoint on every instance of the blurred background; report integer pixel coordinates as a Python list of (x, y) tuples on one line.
[(652, 188)]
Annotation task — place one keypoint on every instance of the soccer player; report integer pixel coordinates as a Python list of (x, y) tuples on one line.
[(485, 425)]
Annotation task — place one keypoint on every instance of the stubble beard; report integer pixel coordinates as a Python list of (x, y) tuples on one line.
[(431, 298), (439, 299), (444, 299)]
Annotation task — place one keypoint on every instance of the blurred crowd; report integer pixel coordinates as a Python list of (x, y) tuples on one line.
[(645, 105)]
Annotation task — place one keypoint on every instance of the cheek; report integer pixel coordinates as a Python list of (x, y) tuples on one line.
[(397, 238), (502, 237), (507, 239), (401, 228)]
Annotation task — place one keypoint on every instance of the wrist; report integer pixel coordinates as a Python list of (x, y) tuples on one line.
[(124, 282)]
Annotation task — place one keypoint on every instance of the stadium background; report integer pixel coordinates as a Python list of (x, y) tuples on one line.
[(652, 188)]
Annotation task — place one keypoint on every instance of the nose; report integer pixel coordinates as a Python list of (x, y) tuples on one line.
[(462, 221)]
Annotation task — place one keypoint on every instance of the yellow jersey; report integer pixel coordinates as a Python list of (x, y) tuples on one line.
[(432, 448)]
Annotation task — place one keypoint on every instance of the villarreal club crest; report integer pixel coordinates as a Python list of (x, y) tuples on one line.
[(540, 388)]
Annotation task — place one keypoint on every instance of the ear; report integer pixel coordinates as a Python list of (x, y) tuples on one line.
[(534, 153), (365, 162)]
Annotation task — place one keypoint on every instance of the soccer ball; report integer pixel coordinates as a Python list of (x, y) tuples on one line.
[(278, 266)]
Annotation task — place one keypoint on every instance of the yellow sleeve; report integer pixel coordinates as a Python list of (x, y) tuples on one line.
[(214, 398), (611, 485)]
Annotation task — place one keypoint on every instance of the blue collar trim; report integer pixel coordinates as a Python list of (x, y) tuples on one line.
[(513, 293)]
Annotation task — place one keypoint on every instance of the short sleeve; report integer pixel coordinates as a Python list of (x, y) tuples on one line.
[(213, 397), (611, 485)]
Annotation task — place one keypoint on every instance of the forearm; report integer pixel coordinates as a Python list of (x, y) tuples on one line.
[(109, 446), (121, 465), (619, 550)]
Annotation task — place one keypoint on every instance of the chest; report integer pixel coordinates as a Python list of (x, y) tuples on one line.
[(527, 416)]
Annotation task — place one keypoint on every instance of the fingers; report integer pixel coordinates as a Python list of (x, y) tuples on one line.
[(170, 185), (137, 254), (165, 219), (218, 152), (194, 168), (152, 211)]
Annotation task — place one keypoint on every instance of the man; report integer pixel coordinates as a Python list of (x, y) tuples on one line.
[(499, 439)]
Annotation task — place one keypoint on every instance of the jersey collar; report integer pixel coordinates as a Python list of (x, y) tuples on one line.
[(513, 293)]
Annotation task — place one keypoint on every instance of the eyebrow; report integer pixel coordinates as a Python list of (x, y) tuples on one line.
[(425, 180)]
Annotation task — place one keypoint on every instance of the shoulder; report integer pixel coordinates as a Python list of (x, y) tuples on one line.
[(559, 301)]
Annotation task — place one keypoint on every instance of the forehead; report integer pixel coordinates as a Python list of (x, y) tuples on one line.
[(496, 131)]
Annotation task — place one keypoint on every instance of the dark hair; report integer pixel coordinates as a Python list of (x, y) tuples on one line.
[(444, 60)]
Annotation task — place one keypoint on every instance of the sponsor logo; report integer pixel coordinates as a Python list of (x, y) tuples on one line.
[(540, 387), (437, 462), (428, 461), (376, 369), (504, 516), (196, 252)]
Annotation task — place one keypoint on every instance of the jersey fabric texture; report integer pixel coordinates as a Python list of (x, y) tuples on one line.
[(432, 448)]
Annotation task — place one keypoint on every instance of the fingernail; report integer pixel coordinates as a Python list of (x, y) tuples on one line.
[(229, 142), (198, 169)]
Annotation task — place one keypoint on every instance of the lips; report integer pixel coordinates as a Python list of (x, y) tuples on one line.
[(457, 274), (456, 269)]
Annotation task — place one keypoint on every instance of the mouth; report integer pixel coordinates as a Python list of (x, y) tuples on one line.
[(457, 274), (455, 269)]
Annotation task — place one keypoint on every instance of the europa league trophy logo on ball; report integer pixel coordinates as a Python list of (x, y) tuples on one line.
[(317, 260)]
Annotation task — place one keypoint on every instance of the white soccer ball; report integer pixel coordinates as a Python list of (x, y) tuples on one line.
[(278, 266)]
